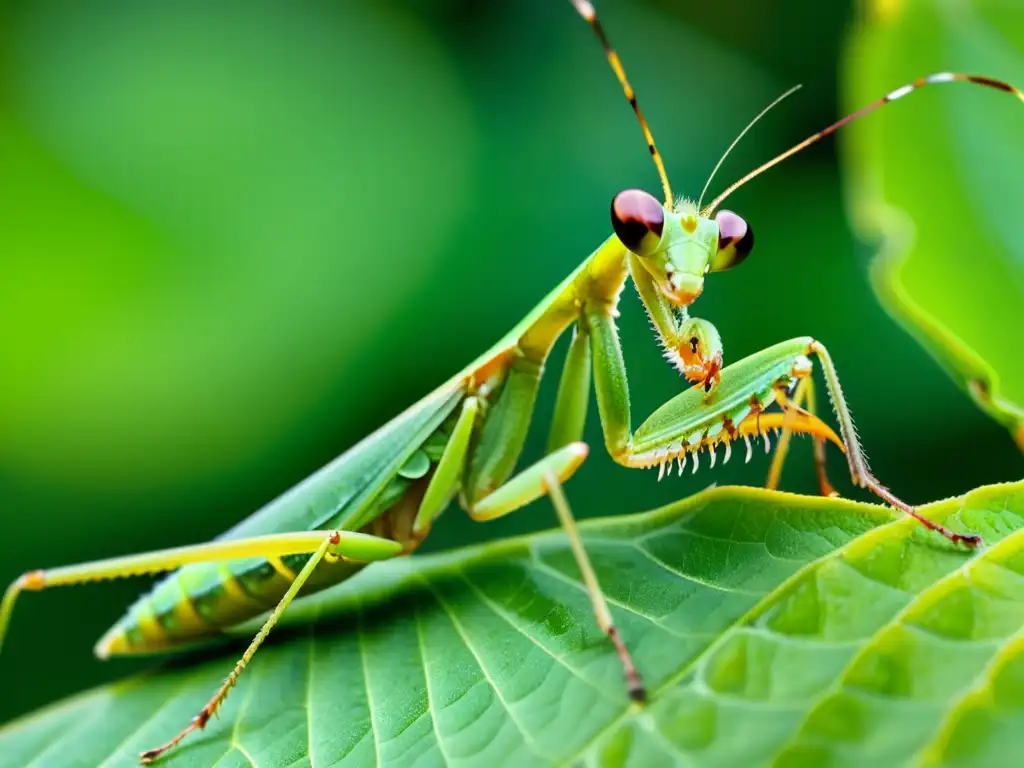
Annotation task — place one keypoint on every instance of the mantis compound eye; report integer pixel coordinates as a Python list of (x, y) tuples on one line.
[(638, 220), (735, 241)]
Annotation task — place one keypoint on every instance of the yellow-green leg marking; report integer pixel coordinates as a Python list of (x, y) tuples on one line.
[(357, 547), (330, 542)]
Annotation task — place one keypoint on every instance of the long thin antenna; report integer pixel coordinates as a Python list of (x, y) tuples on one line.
[(743, 133), (899, 93), (586, 10)]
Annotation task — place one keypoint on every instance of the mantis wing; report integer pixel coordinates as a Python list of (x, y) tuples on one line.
[(339, 490)]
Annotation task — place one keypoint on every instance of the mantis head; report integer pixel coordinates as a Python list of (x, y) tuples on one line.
[(678, 246)]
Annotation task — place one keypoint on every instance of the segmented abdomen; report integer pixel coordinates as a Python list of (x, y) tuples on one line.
[(198, 602)]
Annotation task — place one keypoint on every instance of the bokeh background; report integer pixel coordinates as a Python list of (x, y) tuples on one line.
[(236, 239)]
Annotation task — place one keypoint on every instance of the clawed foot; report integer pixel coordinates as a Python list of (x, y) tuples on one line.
[(969, 540)]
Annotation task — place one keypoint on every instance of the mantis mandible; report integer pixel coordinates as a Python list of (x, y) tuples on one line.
[(380, 498)]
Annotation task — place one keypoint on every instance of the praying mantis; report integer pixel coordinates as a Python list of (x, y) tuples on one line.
[(380, 499)]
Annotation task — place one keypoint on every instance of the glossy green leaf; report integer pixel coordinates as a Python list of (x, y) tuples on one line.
[(938, 180), (770, 629)]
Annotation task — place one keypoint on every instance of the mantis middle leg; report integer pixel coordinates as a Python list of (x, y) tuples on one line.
[(488, 496), (804, 392)]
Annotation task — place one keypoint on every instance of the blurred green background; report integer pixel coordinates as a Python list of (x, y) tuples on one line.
[(234, 240)]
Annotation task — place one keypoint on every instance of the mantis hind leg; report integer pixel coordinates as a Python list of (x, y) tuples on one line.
[(320, 544), (332, 544), (210, 708), (353, 546), (804, 392)]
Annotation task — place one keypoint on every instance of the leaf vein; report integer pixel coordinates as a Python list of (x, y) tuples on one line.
[(422, 647), (693, 579), (528, 739), (500, 612), (363, 659), (554, 572)]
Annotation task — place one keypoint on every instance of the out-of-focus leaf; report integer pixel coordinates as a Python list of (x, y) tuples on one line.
[(938, 180), (770, 629)]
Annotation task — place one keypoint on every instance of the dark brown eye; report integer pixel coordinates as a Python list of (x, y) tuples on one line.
[(735, 241), (638, 220)]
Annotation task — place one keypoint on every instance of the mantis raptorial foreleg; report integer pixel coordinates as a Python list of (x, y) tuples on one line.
[(488, 493), (613, 403), (691, 344)]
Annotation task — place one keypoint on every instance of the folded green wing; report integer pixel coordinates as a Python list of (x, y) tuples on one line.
[(353, 479)]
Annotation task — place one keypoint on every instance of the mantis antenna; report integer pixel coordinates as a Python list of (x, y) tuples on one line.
[(899, 93), (586, 10), (743, 133)]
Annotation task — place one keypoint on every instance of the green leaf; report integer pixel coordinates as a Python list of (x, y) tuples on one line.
[(770, 629), (938, 182)]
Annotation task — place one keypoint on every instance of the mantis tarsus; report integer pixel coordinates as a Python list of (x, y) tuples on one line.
[(380, 498)]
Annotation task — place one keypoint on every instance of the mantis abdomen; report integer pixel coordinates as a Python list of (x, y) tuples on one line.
[(198, 602)]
